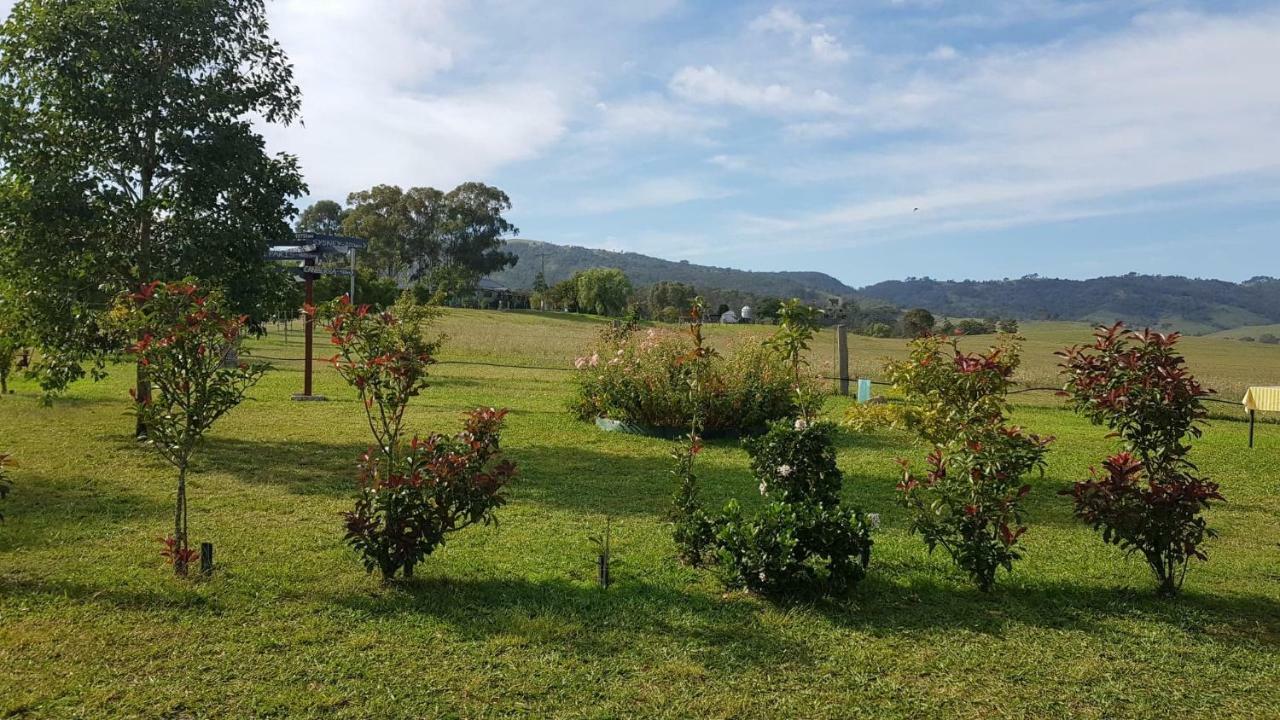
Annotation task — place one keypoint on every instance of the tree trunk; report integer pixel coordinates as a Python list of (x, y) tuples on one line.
[(143, 393), (180, 544), (143, 388)]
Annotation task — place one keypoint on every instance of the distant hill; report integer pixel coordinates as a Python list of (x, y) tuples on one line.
[(1166, 302), (1190, 305), (562, 261)]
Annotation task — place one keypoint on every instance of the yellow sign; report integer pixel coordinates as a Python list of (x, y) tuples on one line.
[(1262, 398)]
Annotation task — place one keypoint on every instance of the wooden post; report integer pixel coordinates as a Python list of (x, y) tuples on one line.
[(1251, 419), (842, 358), (206, 558), (352, 253), (310, 325)]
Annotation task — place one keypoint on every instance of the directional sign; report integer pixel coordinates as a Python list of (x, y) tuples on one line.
[(342, 272), (334, 242), (290, 255)]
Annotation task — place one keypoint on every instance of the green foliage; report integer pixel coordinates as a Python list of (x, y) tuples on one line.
[(602, 291), (674, 295), (323, 217), (409, 504), (802, 537), (692, 531), (879, 330), (949, 395), (797, 324), (377, 292), (969, 500), (641, 379), (129, 153), (411, 495), (422, 229), (868, 417), (188, 349), (384, 356), (14, 336), (1268, 339), (917, 322), (1150, 499)]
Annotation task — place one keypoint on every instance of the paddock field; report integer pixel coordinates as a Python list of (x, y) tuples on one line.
[(507, 622)]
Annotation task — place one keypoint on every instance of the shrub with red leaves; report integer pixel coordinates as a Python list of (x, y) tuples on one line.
[(1149, 498), (968, 501), (188, 349), (411, 495), (441, 485)]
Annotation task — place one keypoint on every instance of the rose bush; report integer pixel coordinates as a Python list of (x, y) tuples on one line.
[(639, 379)]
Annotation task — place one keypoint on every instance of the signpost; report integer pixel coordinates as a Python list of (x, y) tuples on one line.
[(310, 249)]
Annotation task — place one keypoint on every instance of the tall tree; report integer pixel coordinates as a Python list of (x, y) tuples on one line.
[(423, 232), (602, 291), (323, 217), (402, 227), (129, 155), (474, 231)]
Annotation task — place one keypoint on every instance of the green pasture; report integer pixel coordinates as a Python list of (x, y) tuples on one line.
[(507, 621)]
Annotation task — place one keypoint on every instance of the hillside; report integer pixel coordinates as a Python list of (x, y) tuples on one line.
[(562, 261), (1191, 305)]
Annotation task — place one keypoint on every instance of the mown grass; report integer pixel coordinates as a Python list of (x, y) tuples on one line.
[(507, 622)]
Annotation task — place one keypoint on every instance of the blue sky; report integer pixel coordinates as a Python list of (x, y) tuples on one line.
[(1068, 139)]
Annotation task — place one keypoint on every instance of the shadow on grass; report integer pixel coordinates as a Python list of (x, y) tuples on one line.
[(883, 608), (587, 620), (301, 466), (175, 597), (50, 510)]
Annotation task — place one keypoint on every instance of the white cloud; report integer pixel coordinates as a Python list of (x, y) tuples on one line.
[(1061, 131), (380, 105), (649, 115), (824, 46), (657, 192), (708, 85)]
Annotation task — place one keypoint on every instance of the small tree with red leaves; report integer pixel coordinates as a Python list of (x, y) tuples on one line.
[(412, 495), (188, 350), (1149, 498), (968, 502)]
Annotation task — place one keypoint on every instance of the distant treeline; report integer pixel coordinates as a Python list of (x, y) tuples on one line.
[(609, 292)]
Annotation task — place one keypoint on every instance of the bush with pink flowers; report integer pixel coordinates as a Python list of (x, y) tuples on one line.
[(637, 378)]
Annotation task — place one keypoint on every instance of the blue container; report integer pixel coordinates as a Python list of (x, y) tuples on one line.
[(864, 390)]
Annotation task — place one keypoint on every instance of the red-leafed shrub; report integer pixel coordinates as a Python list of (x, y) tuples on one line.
[(968, 501), (188, 349), (411, 494), (1149, 498), (438, 486)]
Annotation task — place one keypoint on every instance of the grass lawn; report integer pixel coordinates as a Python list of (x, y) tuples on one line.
[(507, 621)]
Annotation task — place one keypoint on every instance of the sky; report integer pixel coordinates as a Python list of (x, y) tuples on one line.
[(869, 139)]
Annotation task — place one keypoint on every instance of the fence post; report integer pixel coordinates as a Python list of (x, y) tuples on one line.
[(842, 358)]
